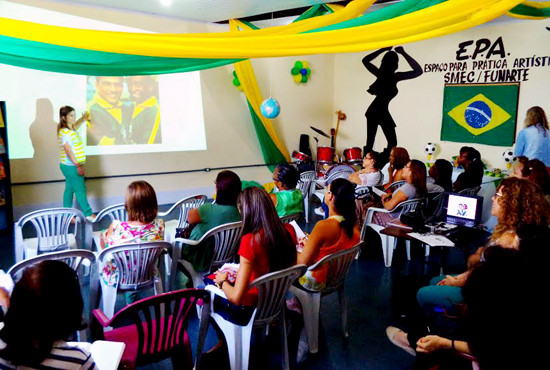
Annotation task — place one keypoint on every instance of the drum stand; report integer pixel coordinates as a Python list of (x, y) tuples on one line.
[(316, 153)]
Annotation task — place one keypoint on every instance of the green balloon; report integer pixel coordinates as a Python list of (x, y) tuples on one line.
[(298, 65), (235, 74), (236, 82), (308, 71), (304, 79), (295, 71)]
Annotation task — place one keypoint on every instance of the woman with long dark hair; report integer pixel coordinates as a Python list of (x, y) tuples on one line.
[(338, 232), (267, 245), (45, 310), (385, 89), (72, 160)]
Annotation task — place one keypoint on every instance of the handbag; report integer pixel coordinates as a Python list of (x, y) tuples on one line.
[(414, 219)]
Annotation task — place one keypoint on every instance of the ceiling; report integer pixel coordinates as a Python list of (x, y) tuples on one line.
[(210, 10)]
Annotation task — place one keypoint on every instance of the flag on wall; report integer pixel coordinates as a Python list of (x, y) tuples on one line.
[(480, 113)]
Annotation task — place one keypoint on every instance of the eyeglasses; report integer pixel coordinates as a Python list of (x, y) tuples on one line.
[(275, 179), (498, 194)]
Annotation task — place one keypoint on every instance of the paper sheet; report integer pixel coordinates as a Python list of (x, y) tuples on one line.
[(434, 240)]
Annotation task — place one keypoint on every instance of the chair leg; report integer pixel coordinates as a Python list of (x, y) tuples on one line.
[(387, 249), (408, 246), (343, 309), (284, 340), (108, 298), (311, 303)]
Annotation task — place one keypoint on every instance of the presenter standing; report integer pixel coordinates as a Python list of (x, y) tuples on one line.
[(72, 159)]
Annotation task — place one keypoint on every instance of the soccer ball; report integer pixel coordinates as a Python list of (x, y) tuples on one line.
[(430, 148), (508, 156)]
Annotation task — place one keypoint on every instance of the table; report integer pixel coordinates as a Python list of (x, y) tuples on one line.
[(427, 239), (106, 354)]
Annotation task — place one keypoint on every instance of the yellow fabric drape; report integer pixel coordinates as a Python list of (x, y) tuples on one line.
[(450, 16), (247, 78)]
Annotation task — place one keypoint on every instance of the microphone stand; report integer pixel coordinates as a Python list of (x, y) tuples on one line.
[(316, 153)]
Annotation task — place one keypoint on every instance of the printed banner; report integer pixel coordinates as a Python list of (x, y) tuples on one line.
[(480, 113)]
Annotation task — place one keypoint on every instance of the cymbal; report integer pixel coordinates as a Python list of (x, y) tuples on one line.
[(319, 131)]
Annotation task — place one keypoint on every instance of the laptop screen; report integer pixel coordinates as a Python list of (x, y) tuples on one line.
[(463, 210)]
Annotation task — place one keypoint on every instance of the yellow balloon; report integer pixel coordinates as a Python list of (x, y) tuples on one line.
[(304, 64), (297, 78)]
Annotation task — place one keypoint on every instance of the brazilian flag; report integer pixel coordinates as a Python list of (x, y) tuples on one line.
[(480, 113)]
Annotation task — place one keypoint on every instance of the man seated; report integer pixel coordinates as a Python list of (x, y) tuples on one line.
[(470, 160), (288, 199)]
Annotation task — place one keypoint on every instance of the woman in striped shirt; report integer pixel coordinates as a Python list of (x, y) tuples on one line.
[(72, 159), (45, 309)]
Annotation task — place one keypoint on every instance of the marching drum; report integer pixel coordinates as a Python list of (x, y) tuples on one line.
[(353, 155), (325, 154), (301, 157)]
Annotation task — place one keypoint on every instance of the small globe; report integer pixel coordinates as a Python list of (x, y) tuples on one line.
[(270, 108)]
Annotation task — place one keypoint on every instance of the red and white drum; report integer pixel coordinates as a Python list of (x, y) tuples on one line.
[(353, 155), (301, 156), (325, 154)]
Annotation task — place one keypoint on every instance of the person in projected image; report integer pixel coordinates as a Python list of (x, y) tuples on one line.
[(109, 116), (144, 127)]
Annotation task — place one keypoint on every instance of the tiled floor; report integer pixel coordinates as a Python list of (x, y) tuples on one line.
[(377, 297)]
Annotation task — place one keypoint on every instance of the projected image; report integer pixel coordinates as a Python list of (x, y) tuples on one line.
[(123, 110)]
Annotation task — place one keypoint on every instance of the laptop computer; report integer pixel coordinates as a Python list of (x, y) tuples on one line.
[(463, 210)]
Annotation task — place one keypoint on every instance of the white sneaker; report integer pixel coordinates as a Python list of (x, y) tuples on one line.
[(391, 332), (91, 218)]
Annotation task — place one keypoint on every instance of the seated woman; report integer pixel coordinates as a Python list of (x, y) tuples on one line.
[(267, 245), (512, 198), (414, 173), (370, 174), (520, 168), (45, 309), (142, 225), (470, 160), (288, 199), (210, 215), (440, 177), (512, 276), (338, 232), (399, 157), (538, 173)]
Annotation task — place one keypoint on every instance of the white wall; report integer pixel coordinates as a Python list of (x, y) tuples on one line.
[(231, 139), (417, 109)]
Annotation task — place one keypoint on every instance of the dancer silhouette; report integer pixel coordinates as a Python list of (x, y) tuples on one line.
[(385, 89)]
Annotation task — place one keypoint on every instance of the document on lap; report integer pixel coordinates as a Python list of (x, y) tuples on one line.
[(301, 237)]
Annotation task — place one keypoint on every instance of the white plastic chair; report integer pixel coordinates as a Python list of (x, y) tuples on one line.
[(272, 289), (292, 217), (338, 268), (74, 258), (184, 205), (388, 242), (114, 212), (136, 265), (395, 185), (304, 184), (470, 191), (225, 239), (51, 228)]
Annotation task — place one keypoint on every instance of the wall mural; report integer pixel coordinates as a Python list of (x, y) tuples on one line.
[(385, 89)]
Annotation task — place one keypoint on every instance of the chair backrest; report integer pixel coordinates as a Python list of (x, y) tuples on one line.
[(226, 239), (304, 184), (408, 205), (135, 262), (396, 185), (338, 267), (161, 323), (292, 217), (51, 227), (434, 207), (362, 191), (338, 172), (470, 191), (73, 258), (184, 205), (115, 212), (272, 289)]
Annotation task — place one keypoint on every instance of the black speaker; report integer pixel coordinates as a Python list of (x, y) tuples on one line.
[(304, 144)]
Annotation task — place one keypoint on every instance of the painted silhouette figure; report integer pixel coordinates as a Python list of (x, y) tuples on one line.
[(385, 89)]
